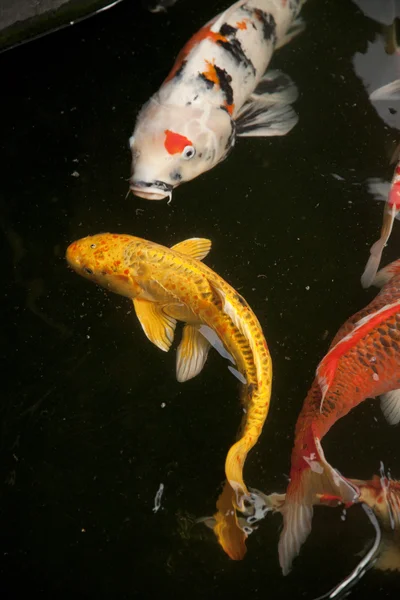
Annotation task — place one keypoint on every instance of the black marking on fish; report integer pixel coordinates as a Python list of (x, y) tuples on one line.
[(209, 83), (241, 300), (268, 23), (225, 83), (178, 74), (272, 86), (234, 48), (227, 29)]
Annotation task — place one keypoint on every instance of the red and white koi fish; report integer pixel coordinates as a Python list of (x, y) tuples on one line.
[(363, 362), (216, 90), (379, 69), (390, 212)]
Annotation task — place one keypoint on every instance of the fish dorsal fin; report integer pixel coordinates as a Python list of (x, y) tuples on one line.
[(197, 248), (268, 112), (327, 367), (390, 405), (158, 326), (192, 353)]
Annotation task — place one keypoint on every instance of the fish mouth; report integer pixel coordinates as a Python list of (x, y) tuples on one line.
[(156, 190)]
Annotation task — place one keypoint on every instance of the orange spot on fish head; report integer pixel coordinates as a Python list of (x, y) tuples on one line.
[(175, 142)]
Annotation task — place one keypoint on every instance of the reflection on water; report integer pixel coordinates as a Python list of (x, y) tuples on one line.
[(93, 420)]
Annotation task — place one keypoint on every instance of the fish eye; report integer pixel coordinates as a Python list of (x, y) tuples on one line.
[(93, 246), (188, 152), (88, 271)]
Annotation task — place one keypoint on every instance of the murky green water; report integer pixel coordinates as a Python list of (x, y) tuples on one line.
[(85, 442)]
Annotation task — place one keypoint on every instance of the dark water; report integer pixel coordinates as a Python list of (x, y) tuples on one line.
[(85, 442)]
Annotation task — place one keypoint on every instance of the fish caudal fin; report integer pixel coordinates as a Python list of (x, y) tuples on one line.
[(230, 534), (308, 483), (268, 111)]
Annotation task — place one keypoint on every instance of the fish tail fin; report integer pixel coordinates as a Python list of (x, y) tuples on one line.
[(369, 276), (311, 476)]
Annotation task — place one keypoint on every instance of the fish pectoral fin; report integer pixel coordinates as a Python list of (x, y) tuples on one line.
[(390, 405), (298, 26), (180, 312), (237, 374), (390, 91), (268, 111), (158, 326), (192, 353), (197, 248), (215, 342)]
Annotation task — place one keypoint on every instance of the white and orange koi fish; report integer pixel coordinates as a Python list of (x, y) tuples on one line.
[(217, 89)]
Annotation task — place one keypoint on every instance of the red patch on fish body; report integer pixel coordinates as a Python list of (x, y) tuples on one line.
[(175, 142), (327, 367)]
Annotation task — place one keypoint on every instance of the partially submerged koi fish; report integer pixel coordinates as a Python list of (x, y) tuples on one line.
[(379, 69), (216, 90), (168, 285), (380, 498), (363, 362)]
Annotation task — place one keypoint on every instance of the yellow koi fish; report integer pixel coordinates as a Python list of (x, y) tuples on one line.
[(168, 285)]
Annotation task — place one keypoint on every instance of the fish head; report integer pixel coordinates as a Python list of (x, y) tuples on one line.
[(102, 259), (174, 144)]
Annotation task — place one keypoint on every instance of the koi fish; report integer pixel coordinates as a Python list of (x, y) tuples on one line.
[(167, 285), (363, 362), (382, 495), (380, 499), (217, 90), (390, 211), (379, 69)]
